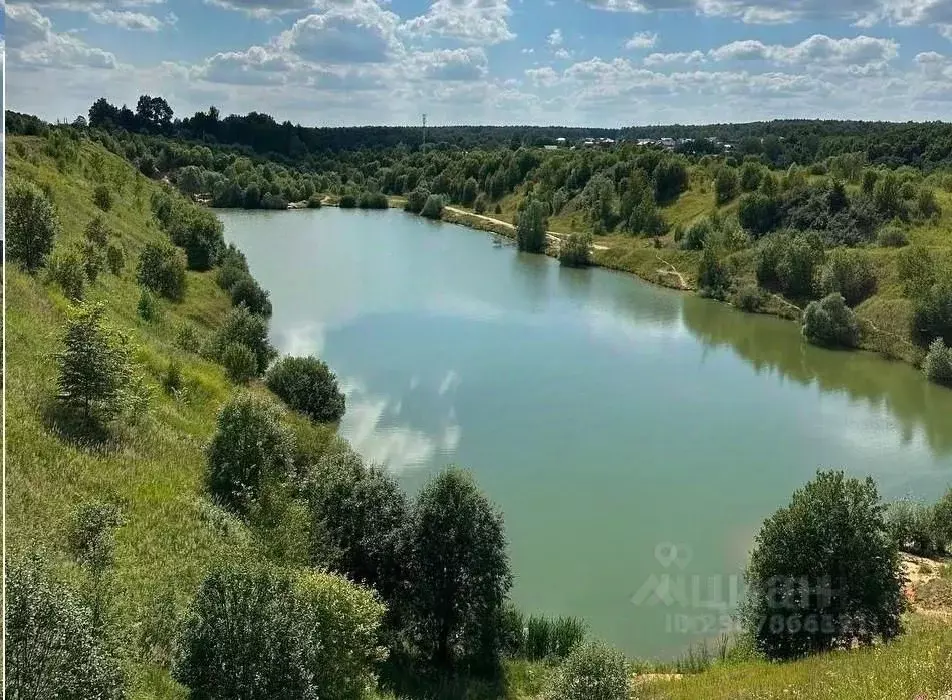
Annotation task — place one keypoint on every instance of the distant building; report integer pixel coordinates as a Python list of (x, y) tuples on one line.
[(560, 141), (550, 147)]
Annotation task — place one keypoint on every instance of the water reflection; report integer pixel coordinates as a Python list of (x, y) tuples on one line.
[(773, 346)]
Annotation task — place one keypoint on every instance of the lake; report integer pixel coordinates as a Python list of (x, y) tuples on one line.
[(634, 437)]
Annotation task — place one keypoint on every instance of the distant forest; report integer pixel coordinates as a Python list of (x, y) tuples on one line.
[(925, 145)]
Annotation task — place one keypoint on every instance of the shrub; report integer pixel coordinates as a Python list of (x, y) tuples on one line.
[(798, 264), (315, 201), (232, 267), (822, 575), (162, 270), (260, 633), (942, 521), (751, 175), (758, 213), (273, 201), (916, 269), (530, 228), (458, 563), (749, 298), (51, 651), (575, 251), (91, 535), (726, 185), (248, 329), (115, 258), (932, 315), (66, 269), (31, 224), (850, 273), (187, 338), (239, 362), (938, 363), (347, 201), (592, 672), (829, 322), (927, 206), (96, 232), (373, 200), (892, 237), (102, 197), (172, 379), (416, 200), (200, 233), (250, 448), (713, 278), (433, 207), (148, 307), (481, 204), (94, 369), (308, 386), (670, 179), (248, 293), (697, 234), (912, 527), (550, 638)]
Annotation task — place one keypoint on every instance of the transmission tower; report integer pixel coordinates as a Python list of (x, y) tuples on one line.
[(424, 133)]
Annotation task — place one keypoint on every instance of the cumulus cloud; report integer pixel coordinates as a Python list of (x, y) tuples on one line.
[(133, 21), (819, 48), (451, 64), (642, 40), (353, 32), (555, 38), (32, 44), (660, 59), (264, 8), (475, 21)]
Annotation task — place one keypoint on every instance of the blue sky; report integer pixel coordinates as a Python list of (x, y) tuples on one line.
[(572, 62)]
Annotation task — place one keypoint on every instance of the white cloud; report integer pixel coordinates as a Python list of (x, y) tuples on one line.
[(133, 21), (451, 64), (264, 8), (474, 21), (819, 49), (642, 40), (659, 59), (563, 54), (555, 38), (33, 44), (543, 77), (353, 32)]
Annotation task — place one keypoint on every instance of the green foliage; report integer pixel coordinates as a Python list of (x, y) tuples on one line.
[(433, 207), (937, 364), (830, 323), (308, 386), (713, 277), (530, 227), (670, 179), (887, 198), (758, 213), (187, 338), (750, 298), (260, 633), (172, 379), (481, 204), (91, 537), (31, 224), (373, 200), (416, 201), (916, 270), (148, 307), (822, 575), (315, 201), (248, 293), (248, 329), (942, 520), (927, 206), (547, 638), (726, 185), (250, 448), (697, 234), (592, 672), (460, 571), (751, 176), (892, 236), (468, 194), (239, 362), (162, 270), (789, 263), (347, 201), (94, 366), (66, 269), (232, 268), (850, 273), (115, 258), (51, 651), (102, 197), (912, 527), (199, 232), (932, 315), (575, 250)]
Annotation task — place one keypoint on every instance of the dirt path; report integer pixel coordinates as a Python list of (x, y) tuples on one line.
[(551, 235), (674, 272)]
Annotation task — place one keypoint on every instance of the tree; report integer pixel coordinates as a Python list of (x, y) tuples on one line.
[(829, 322), (433, 207), (530, 227), (102, 197), (51, 651), (916, 268), (91, 542), (239, 362), (938, 363), (250, 448), (798, 263), (468, 195), (751, 175), (823, 573), (31, 224), (713, 278), (758, 213), (248, 329), (307, 385), (459, 568), (592, 672), (162, 270), (263, 633), (726, 185), (670, 180), (932, 314), (200, 233), (575, 251), (67, 270), (850, 273), (248, 293), (416, 200), (94, 368)]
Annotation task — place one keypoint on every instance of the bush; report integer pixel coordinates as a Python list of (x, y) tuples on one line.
[(248, 329), (911, 526), (199, 232), (416, 200), (758, 213), (822, 575), (713, 278), (373, 200), (162, 270), (433, 207), (458, 563), (850, 273), (938, 363), (239, 363), (115, 258), (670, 180), (530, 228), (749, 298), (347, 201), (575, 251), (66, 269), (481, 204), (916, 269), (942, 521), (187, 338), (927, 206), (250, 448), (892, 237), (751, 175), (798, 264), (172, 379), (94, 366), (259, 633), (592, 672), (248, 293), (102, 197), (932, 315), (31, 224), (697, 234), (306, 385), (315, 201), (829, 322), (547, 638), (726, 185), (51, 651), (148, 307)]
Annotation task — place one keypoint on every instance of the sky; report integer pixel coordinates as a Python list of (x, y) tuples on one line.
[(599, 63)]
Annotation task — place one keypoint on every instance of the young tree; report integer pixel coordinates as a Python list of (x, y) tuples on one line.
[(250, 448), (830, 323), (850, 273), (248, 329), (575, 251), (248, 293), (823, 573), (31, 224), (459, 568), (592, 672), (713, 277), (91, 541), (932, 315), (94, 369), (530, 228), (433, 207), (726, 185), (263, 633), (937, 365), (162, 271), (307, 385)]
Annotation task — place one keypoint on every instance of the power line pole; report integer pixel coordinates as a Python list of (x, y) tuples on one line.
[(424, 133)]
